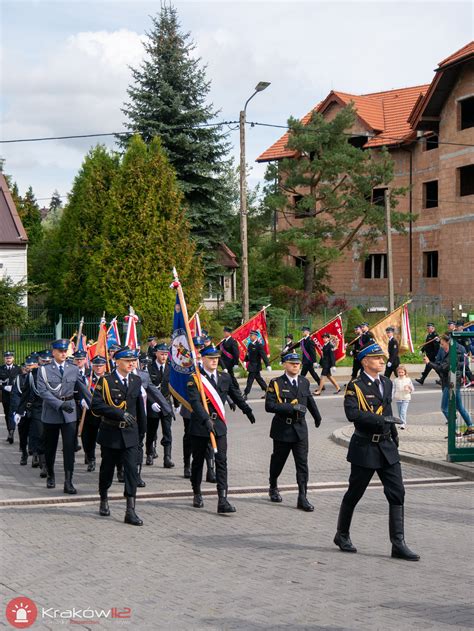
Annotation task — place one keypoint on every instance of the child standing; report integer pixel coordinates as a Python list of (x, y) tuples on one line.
[(402, 389)]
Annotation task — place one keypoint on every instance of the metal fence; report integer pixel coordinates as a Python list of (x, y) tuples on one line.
[(461, 406)]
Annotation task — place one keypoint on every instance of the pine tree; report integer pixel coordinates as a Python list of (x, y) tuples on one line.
[(30, 215), (169, 99), (55, 209)]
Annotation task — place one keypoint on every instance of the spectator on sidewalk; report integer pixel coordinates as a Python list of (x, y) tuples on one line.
[(402, 389), (443, 370), (431, 349)]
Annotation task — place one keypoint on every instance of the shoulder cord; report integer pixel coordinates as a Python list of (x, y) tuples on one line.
[(278, 396), (108, 398), (33, 388), (43, 373), (363, 403), (17, 383)]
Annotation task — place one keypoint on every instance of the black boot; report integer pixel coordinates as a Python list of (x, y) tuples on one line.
[(11, 433), (273, 492), (187, 468), (91, 465), (43, 471), (197, 500), (149, 460), (24, 457), (141, 483), (400, 550), (68, 485), (120, 475), (421, 381), (155, 454), (35, 461), (130, 515), (167, 462), (223, 505), (342, 538), (50, 481), (303, 503), (104, 510)]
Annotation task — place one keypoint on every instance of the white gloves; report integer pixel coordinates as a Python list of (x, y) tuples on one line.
[(16, 418), (333, 370), (7, 388), (316, 365), (269, 368), (389, 364), (84, 404), (155, 407), (225, 370)]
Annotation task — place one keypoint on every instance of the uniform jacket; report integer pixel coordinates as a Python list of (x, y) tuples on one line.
[(393, 351), (308, 350), (17, 391), (366, 338), (55, 390), (90, 418), (112, 435), (7, 377), (254, 356), (288, 425), (328, 358), (229, 346), (153, 395), (226, 390), (362, 450), (159, 378), (432, 348), (30, 400)]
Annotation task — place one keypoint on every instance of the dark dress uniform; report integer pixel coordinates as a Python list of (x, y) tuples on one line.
[(309, 357), (431, 350), (24, 423), (30, 407), (230, 356), (393, 358), (355, 347), (8, 374), (289, 430), (328, 359), (90, 430), (199, 431), (119, 443), (254, 356), (160, 377), (373, 448)]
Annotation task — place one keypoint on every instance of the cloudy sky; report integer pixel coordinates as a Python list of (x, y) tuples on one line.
[(65, 66)]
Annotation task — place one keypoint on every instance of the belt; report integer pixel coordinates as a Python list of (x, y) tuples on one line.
[(375, 438), (291, 421), (117, 425), (67, 398)]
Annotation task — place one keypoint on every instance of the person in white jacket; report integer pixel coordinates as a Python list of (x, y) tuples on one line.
[(402, 390)]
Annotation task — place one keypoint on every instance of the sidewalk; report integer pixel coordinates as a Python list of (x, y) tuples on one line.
[(422, 443)]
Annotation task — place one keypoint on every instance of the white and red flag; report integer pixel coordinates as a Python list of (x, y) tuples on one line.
[(131, 339)]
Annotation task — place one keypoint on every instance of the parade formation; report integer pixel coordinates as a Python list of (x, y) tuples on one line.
[(122, 399)]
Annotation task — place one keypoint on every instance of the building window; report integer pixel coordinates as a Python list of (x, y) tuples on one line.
[(430, 264), (300, 213), (357, 141), (375, 266), (430, 194), (378, 196), (466, 180), (431, 142), (466, 113)]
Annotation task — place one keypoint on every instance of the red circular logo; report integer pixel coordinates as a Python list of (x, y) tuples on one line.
[(21, 612)]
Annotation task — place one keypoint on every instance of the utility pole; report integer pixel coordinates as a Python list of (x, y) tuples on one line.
[(388, 227)]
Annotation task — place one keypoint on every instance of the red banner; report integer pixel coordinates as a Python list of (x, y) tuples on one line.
[(195, 325), (335, 330), (242, 334)]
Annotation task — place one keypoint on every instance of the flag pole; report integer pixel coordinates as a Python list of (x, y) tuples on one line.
[(177, 285), (381, 320)]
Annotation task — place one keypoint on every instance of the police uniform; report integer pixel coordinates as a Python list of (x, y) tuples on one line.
[(8, 374), (23, 420), (431, 350), (393, 355), (230, 355), (202, 422), (309, 358), (90, 428), (254, 356), (160, 377), (118, 401), (289, 430), (373, 448)]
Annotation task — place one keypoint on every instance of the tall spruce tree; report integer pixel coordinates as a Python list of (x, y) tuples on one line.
[(30, 216), (168, 99)]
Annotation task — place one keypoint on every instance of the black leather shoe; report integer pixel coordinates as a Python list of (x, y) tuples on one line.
[(420, 381), (104, 510), (155, 455), (274, 495), (197, 501), (402, 551), (68, 485), (244, 396), (141, 483), (50, 482), (77, 447), (91, 465), (187, 472), (130, 515), (24, 458), (224, 506), (10, 438), (344, 542), (167, 462), (35, 461), (149, 460), (303, 504)]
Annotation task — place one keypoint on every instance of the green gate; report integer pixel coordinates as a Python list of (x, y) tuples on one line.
[(461, 395)]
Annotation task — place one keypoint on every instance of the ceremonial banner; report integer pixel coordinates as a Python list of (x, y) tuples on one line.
[(335, 330), (113, 335), (180, 358), (100, 347), (400, 321), (131, 339), (242, 333), (195, 325)]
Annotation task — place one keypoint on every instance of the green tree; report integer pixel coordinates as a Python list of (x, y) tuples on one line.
[(144, 233), (30, 215), (13, 313), (332, 182), (55, 209), (168, 98)]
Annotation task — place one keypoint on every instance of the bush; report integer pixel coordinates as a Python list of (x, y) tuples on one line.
[(354, 318)]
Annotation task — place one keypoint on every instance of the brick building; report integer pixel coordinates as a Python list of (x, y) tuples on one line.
[(429, 132)]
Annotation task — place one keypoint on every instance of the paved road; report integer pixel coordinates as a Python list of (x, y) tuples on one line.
[(266, 567)]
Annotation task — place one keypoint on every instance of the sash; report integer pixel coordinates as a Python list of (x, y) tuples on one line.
[(226, 353), (305, 352), (214, 397)]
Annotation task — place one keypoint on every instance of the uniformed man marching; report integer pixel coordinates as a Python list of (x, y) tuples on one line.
[(91, 423), (159, 372), (373, 448), (393, 353), (254, 356), (8, 373), (308, 349), (289, 398), (230, 354), (430, 348)]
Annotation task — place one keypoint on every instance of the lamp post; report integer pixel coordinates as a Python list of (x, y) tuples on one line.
[(261, 85)]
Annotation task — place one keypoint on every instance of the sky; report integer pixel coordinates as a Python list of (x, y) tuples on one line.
[(65, 67)]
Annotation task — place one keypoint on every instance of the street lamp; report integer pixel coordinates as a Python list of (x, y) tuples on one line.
[(261, 85)]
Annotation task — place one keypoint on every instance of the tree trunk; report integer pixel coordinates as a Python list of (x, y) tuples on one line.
[(309, 276)]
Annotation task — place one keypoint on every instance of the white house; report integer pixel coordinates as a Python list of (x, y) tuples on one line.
[(13, 239)]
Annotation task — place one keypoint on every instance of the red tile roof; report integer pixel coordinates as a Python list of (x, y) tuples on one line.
[(384, 114), (12, 231), (465, 51)]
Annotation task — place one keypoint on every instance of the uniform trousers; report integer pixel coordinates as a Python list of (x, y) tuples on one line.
[(426, 371), (390, 370), (36, 439), (128, 457), (309, 368), (6, 410), (23, 432), (199, 445), (356, 366), (89, 438), (281, 451), (187, 448), (51, 433), (255, 376), (391, 477)]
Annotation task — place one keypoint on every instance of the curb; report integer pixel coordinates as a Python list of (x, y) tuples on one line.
[(437, 465)]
